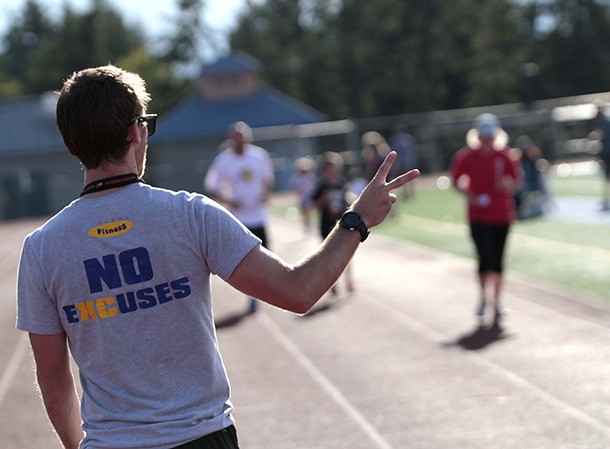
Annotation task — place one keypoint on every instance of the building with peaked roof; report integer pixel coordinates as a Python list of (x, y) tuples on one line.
[(38, 176), (228, 90)]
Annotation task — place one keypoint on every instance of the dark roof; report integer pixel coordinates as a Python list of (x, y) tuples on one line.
[(231, 63), (27, 125), (196, 117)]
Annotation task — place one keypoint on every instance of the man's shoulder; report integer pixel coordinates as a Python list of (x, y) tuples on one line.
[(257, 151), (224, 155), (160, 194)]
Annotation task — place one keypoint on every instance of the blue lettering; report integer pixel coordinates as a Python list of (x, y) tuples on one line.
[(128, 304), (107, 272), (71, 313), (136, 266), (163, 293), (181, 288), (146, 298)]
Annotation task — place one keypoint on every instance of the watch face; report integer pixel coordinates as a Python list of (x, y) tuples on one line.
[(351, 219)]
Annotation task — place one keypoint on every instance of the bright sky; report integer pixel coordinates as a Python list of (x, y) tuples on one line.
[(220, 15)]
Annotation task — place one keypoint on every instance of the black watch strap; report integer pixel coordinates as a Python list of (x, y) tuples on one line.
[(353, 221)]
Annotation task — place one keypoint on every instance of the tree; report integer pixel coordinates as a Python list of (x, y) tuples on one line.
[(102, 37), (182, 47), (575, 51), (272, 32), (495, 74), (165, 87), (320, 76), (361, 58), (22, 41), (40, 54), (392, 55)]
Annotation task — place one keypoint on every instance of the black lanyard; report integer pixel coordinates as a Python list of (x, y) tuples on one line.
[(110, 183)]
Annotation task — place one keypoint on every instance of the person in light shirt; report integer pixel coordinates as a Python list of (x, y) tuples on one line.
[(241, 178), (120, 282)]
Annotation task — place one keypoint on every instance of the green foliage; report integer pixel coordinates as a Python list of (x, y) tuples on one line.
[(103, 38), (10, 88), (22, 42), (347, 58), (165, 88), (495, 57), (273, 33), (365, 58), (39, 54), (181, 45)]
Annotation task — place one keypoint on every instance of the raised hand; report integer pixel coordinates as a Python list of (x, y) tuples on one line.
[(376, 200)]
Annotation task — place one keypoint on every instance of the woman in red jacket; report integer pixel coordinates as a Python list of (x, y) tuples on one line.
[(487, 173)]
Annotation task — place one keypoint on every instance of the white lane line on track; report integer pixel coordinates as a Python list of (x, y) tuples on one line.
[(499, 371), (12, 366), (326, 385)]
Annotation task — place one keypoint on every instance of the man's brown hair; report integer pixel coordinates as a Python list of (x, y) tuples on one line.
[(94, 111)]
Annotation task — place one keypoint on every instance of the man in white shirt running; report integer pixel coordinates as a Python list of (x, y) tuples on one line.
[(241, 178)]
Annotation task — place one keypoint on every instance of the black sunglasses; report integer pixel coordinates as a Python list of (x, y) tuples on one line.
[(149, 119)]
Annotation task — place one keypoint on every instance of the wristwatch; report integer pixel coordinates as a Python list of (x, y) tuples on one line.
[(353, 221)]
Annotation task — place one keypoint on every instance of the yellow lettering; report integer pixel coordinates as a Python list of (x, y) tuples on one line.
[(87, 310), (106, 308), (109, 230)]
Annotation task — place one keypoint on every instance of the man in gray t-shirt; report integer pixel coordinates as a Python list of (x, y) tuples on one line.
[(120, 278)]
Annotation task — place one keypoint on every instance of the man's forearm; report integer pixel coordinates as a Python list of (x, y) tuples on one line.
[(64, 412), (318, 272), (295, 287), (57, 386)]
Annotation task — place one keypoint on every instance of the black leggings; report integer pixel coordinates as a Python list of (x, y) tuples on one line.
[(260, 232), (489, 240), (223, 439)]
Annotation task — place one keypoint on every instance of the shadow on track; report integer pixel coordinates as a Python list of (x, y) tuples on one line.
[(232, 319), (481, 337)]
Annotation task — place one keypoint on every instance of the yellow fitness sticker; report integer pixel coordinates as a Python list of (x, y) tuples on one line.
[(113, 229)]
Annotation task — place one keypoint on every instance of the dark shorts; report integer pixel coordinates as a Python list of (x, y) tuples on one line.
[(223, 439), (489, 240), (260, 232), (605, 166)]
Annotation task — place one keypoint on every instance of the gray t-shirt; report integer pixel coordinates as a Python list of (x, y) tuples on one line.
[(127, 277)]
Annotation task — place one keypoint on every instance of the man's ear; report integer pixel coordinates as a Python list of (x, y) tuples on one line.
[(133, 133)]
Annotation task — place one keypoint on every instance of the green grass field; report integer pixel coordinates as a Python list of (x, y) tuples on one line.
[(576, 255)]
